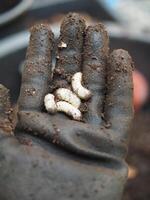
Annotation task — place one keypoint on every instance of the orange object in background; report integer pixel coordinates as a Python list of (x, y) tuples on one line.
[(140, 90)]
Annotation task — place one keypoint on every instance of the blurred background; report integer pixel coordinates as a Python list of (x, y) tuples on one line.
[(128, 24)]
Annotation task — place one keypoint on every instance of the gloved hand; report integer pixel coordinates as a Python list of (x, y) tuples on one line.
[(45, 156)]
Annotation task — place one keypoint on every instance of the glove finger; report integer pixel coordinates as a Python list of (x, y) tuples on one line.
[(119, 97), (69, 49), (5, 111), (37, 70), (94, 67)]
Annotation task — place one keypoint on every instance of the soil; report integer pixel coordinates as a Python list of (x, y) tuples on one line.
[(137, 188), (25, 141)]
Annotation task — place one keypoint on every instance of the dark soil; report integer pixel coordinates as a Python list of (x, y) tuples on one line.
[(138, 188)]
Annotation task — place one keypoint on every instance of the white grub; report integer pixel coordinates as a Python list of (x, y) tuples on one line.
[(62, 45), (69, 110), (77, 87), (67, 95), (50, 105)]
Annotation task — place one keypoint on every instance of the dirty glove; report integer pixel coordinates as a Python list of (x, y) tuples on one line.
[(45, 156)]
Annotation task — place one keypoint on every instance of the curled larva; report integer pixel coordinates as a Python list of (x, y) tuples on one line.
[(77, 87), (69, 110), (49, 102), (68, 96)]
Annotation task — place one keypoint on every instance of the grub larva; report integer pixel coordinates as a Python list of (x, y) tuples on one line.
[(69, 110), (67, 95), (50, 105), (77, 87), (68, 101)]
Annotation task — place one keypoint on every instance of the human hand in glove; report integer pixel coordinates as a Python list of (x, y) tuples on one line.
[(45, 156)]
